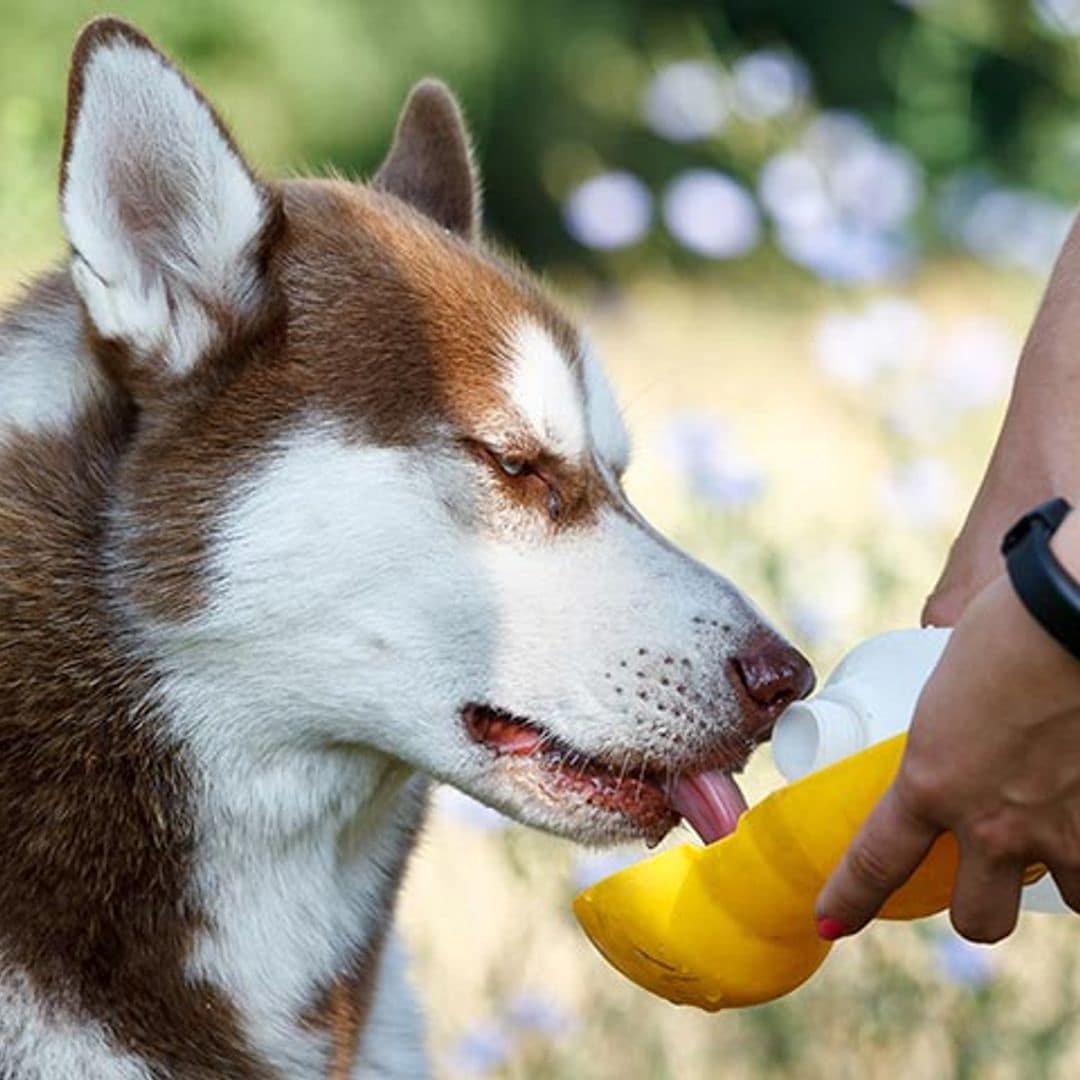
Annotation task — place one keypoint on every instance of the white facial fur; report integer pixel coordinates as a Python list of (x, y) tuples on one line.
[(610, 438), (356, 604), (146, 150), (544, 391)]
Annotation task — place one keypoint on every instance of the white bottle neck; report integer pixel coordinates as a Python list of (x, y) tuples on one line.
[(813, 734)]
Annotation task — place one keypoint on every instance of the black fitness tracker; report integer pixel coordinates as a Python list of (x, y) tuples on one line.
[(1048, 591)]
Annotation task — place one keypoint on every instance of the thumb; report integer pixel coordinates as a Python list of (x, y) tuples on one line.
[(884, 854)]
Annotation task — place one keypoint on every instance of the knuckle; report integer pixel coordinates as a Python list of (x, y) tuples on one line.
[(1000, 837), (920, 790)]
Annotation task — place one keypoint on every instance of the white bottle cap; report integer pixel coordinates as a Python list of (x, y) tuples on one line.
[(813, 734)]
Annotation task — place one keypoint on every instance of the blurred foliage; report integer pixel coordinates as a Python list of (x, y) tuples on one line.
[(554, 93)]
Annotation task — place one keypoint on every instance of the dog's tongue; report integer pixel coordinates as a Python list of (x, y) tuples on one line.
[(710, 801)]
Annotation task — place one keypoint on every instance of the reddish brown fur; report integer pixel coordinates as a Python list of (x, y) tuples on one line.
[(96, 821)]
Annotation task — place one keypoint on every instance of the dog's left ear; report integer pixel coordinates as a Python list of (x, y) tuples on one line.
[(430, 166)]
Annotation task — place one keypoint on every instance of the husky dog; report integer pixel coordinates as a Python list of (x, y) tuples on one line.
[(308, 498)]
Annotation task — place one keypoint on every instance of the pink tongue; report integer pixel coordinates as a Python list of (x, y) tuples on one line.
[(711, 802)]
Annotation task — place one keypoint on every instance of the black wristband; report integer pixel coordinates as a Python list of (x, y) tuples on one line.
[(1045, 587)]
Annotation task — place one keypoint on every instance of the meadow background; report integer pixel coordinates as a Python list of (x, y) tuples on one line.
[(808, 239)]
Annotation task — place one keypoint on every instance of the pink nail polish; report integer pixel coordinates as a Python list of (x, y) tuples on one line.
[(830, 929)]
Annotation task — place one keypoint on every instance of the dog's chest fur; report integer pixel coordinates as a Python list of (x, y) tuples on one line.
[(164, 910)]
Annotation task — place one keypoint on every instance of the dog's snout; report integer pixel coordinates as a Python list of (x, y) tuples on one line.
[(774, 674)]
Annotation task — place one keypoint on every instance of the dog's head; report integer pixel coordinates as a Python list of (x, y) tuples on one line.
[(372, 495)]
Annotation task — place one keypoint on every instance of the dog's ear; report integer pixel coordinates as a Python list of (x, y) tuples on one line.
[(430, 165), (168, 225)]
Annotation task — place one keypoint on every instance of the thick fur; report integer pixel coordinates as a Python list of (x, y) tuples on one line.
[(294, 480)]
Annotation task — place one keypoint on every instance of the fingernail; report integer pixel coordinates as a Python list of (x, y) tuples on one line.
[(830, 929)]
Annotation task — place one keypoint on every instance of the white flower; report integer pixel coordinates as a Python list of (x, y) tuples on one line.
[(612, 210), (856, 347), (1007, 227), (922, 492), (711, 214), (977, 356), (792, 189), (1061, 16), (769, 83), (841, 201), (686, 101), (847, 253), (877, 184)]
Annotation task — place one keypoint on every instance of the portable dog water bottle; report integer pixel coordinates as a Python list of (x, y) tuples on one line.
[(732, 923)]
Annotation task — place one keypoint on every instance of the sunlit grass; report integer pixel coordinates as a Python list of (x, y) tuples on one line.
[(487, 912)]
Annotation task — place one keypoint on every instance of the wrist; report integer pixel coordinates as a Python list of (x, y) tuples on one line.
[(1021, 658), (1065, 543)]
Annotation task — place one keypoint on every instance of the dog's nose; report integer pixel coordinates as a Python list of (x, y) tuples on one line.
[(774, 674)]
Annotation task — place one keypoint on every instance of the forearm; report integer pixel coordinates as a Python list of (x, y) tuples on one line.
[(1040, 440), (1037, 455)]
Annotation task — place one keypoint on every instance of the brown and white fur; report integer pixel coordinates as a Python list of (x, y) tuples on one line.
[(306, 497)]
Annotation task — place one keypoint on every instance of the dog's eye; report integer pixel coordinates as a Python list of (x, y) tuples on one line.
[(513, 466), (526, 472)]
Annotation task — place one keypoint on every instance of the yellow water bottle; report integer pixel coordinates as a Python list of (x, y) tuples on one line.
[(733, 923)]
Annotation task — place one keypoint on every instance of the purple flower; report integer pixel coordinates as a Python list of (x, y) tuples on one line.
[(711, 214), (482, 1049), (701, 447), (962, 961), (612, 210), (531, 1012)]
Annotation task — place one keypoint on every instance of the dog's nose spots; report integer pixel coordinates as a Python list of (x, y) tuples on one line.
[(774, 674)]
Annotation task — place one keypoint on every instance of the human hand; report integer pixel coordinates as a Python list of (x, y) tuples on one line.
[(993, 757)]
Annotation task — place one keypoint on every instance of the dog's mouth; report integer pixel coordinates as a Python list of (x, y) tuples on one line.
[(652, 800)]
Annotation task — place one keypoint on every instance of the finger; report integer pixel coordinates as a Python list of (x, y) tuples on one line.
[(986, 896), (1068, 883), (944, 607), (890, 845)]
